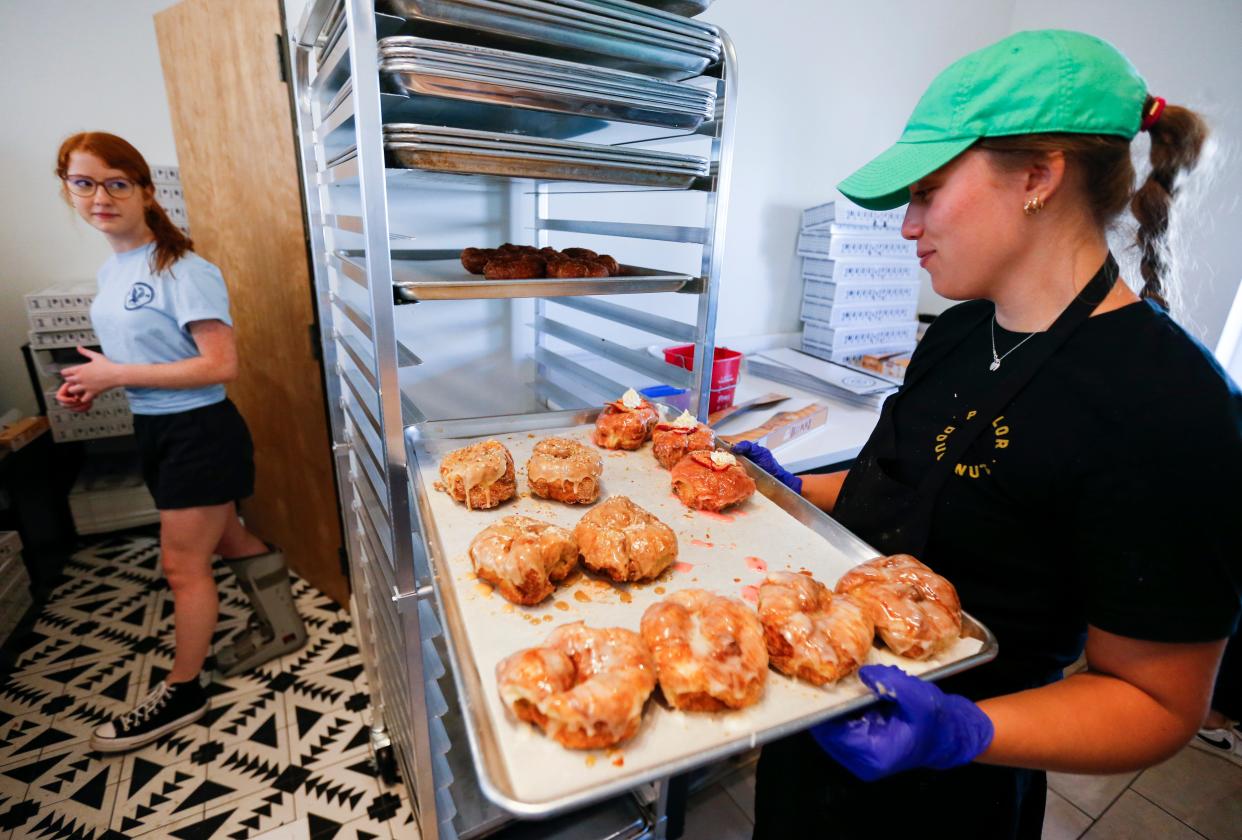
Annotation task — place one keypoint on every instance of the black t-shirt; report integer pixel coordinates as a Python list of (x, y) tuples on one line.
[(1107, 493)]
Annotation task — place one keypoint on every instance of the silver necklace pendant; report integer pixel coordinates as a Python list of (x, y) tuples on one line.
[(995, 364)]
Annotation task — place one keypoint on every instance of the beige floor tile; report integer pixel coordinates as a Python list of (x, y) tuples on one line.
[(741, 787), (1062, 821), (1202, 790), (1133, 817), (1090, 794), (712, 814)]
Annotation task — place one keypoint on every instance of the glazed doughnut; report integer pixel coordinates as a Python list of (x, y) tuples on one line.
[(706, 480), (514, 267), (479, 476), (625, 423), (510, 248), (625, 542), (568, 268), (523, 557), (916, 611), (811, 633), (565, 471), (670, 442), (580, 253), (585, 687), (608, 262), (709, 651), (474, 259)]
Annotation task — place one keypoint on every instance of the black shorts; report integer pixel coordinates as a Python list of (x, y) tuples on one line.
[(196, 458)]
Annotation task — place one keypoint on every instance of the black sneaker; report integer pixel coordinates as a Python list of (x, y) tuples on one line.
[(167, 708)]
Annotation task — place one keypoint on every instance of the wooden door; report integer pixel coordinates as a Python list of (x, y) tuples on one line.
[(235, 146)]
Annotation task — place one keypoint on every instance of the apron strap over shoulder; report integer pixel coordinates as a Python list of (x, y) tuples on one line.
[(1021, 372)]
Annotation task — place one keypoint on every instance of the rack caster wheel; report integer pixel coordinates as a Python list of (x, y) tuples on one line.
[(386, 763)]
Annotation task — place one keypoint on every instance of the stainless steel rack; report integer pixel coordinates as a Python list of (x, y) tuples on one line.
[(567, 340)]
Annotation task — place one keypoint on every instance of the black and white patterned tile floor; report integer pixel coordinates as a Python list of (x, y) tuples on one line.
[(284, 744)]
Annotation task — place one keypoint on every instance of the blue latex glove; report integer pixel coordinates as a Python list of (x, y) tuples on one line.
[(914, 725), (764, 460)]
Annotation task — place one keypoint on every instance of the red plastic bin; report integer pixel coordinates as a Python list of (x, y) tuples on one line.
[(726, 364)]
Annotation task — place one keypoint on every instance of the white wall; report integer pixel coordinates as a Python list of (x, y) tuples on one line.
[(824, 88), (1188, 52), (68, 66)]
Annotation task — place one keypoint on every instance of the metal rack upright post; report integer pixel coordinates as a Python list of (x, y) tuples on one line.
[(361, 279)]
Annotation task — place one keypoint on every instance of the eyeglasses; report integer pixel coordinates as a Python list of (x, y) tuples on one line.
[(85, 187)]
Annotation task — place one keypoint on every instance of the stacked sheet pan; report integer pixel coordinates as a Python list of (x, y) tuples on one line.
[(613, 33), (445, 70), (443, 149), (689, 8)]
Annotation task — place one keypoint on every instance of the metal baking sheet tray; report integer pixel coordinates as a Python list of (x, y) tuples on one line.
[(656, 9), (531, 775), (601, 18), (540, 167), (476, 103), (685, 8), (418, 280), (426, 144), (681, 95), (399, 45), (576, 86), (543, 145), (478, 20), (642, 14), (417, 80)]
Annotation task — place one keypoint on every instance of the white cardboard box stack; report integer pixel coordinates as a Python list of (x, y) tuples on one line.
[(60, 320), (109, 495), (167, 181), (860, 282), (15, 596)]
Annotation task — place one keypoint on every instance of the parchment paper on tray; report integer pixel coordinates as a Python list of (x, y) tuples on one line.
[(729, 553)]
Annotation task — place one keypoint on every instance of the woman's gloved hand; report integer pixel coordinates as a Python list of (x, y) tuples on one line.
[(763, 458), (914, 725)]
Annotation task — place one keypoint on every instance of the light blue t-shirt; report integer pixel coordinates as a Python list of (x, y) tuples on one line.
[(141, 317)]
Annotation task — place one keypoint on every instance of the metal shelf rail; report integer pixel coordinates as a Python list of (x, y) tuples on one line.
[(362, 273)]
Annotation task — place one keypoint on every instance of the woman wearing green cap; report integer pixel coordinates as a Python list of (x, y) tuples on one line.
[(1061, 450)]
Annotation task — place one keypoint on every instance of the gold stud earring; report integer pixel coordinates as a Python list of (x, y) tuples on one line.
[(1033, 205)]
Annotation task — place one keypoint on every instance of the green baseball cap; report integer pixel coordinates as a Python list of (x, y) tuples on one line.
[(1046, 80)]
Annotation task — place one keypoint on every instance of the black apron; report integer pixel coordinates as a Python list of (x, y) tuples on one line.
[(800, 791), (895, 517)]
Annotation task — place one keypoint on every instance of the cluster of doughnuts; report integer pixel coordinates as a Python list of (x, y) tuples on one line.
[(703, 479), (820, 635), (481, 476), (587, 688), (916, 611), (526, 262), (524, 558)]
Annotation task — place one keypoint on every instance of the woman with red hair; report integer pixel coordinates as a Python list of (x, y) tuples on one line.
[(162, 317)]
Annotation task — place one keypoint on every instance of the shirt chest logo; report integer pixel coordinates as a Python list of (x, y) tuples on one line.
[(1000, 441), (139, 295)]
